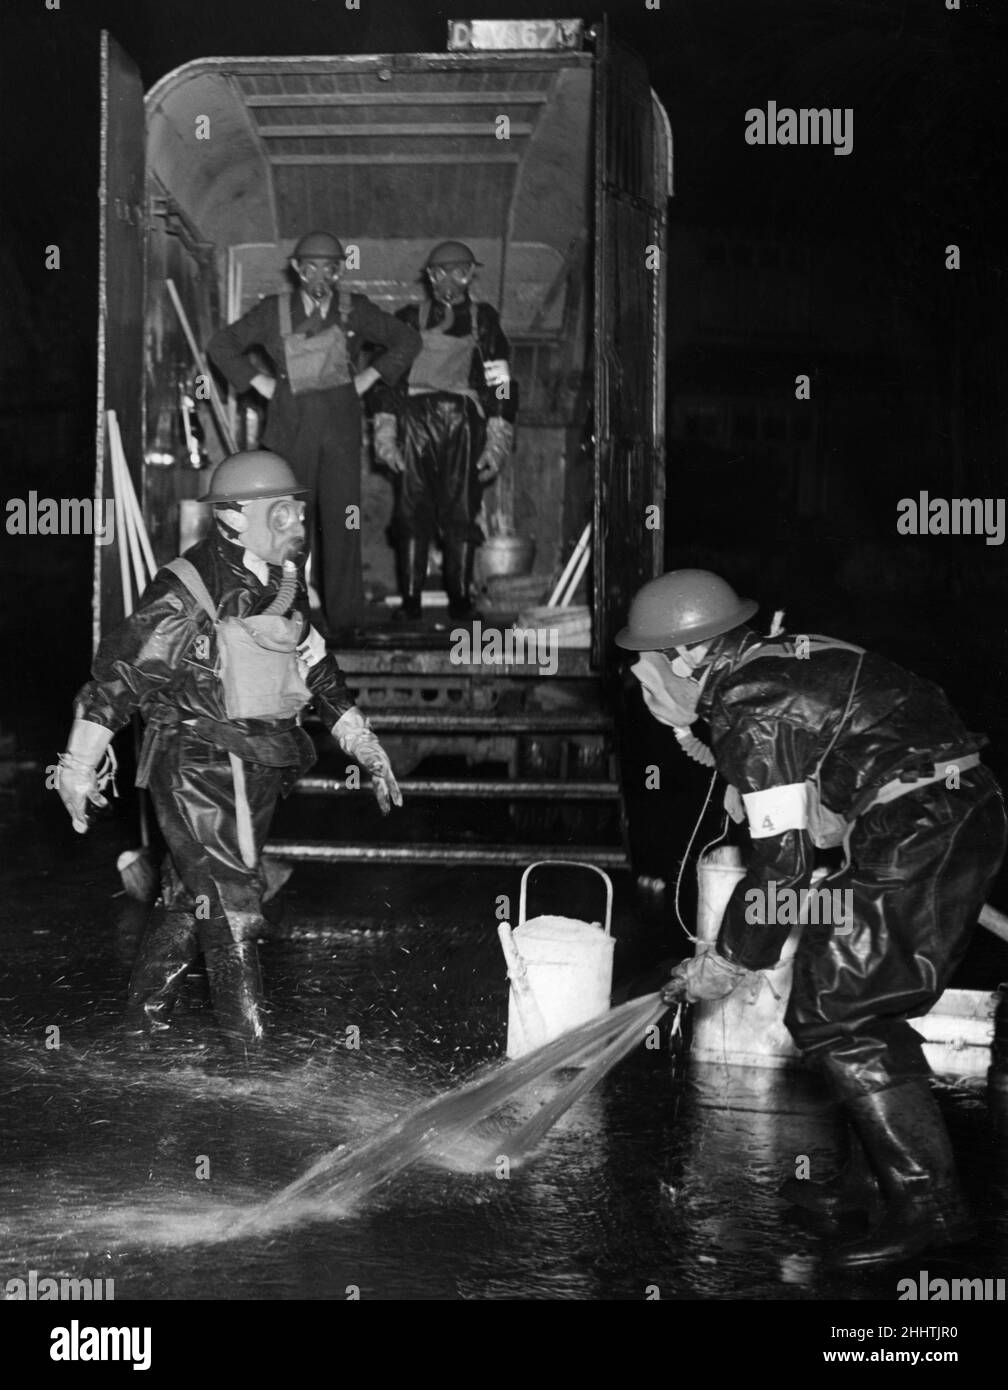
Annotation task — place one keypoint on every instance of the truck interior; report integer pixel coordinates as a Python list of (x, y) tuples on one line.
[(392, 154)]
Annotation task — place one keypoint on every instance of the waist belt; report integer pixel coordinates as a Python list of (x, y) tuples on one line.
[(898, 787)]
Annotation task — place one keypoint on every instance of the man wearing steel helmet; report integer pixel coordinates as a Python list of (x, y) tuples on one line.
[(829, 744), (220, 660), (450, 431), (313, 338)]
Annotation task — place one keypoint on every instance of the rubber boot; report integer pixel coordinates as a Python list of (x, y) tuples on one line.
[(412, 577), (459, 557), (852, 1189), (906, 1140), (167, 950), (997, 1076), (237, 994)]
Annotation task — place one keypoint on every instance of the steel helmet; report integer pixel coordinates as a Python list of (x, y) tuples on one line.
[(322, 244), (252, 474), (451, 253), (680, 608)]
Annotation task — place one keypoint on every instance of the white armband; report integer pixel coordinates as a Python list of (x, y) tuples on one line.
[(777, 809), (312, 649)]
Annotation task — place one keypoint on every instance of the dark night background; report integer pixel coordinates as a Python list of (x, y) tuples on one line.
[(783, 261)]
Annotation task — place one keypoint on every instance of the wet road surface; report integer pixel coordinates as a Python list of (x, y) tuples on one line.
[(128, 1165)]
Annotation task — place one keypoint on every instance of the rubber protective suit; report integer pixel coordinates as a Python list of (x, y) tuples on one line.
[(211, 776), (447, 435), (920, 864)]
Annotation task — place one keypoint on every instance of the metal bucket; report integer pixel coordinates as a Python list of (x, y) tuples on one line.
[(500, 555), (567, 966)]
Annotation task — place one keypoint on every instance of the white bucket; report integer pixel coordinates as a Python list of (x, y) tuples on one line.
[(567, 966), (747, 1029)]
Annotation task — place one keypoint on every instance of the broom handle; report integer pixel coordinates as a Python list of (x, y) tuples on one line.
[(576, 578), (215, 403), (122, 483), (572, 561), (532, 1022), (994, 921), (131, 503), (120, 476)]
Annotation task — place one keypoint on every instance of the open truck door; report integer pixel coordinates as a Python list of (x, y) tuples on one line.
[(122, 221), (633, 162), (361, 143)]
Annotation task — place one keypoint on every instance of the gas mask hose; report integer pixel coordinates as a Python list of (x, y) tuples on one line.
[(287, 592), (692, 746)]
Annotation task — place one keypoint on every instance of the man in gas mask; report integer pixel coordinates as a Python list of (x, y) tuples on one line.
[(450, 431), (828, 745), (313, 338), (220, 659)]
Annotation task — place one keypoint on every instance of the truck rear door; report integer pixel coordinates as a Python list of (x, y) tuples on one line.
[(122, 218), (631, 188)]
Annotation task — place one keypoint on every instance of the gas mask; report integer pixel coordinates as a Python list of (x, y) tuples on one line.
[(450, 282), (271, 528), (318, 275), (688, 660), (671, 694)]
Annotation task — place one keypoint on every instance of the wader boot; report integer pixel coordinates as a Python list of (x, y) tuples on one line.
[(412, 577), (458, 571), (235, 984), (168, 948), (906, 1140), (997, 1076), (852, 1189)]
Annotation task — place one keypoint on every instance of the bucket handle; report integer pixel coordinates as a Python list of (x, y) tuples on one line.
[(567, 864)]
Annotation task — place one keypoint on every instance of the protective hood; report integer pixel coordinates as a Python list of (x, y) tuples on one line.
[(720, 662)]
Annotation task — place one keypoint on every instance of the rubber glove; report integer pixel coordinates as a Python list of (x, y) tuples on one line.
[(386, 442), (79, 784), (499, 441), (707, 976), (353, 734)]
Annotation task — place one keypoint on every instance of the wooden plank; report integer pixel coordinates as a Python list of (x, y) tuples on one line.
[(400, 99), (411, 159), (414, 130)]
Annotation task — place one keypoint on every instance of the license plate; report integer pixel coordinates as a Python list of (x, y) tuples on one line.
[(469, 34)]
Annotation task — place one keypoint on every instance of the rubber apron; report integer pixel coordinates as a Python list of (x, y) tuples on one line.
[(444, 361), (259, 673), (316, 359)]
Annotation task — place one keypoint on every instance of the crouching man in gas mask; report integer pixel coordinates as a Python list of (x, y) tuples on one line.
[(221, 661), (828, 745)]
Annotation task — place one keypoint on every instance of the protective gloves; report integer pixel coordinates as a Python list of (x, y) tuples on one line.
[(499, 441), (80, 782), (353, 734), (386, 442), (497, 372), (707, 976)]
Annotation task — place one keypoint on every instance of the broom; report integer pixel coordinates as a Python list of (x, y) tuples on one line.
[(137, 870)]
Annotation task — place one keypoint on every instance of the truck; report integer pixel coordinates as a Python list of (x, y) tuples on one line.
[(543, 147)]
